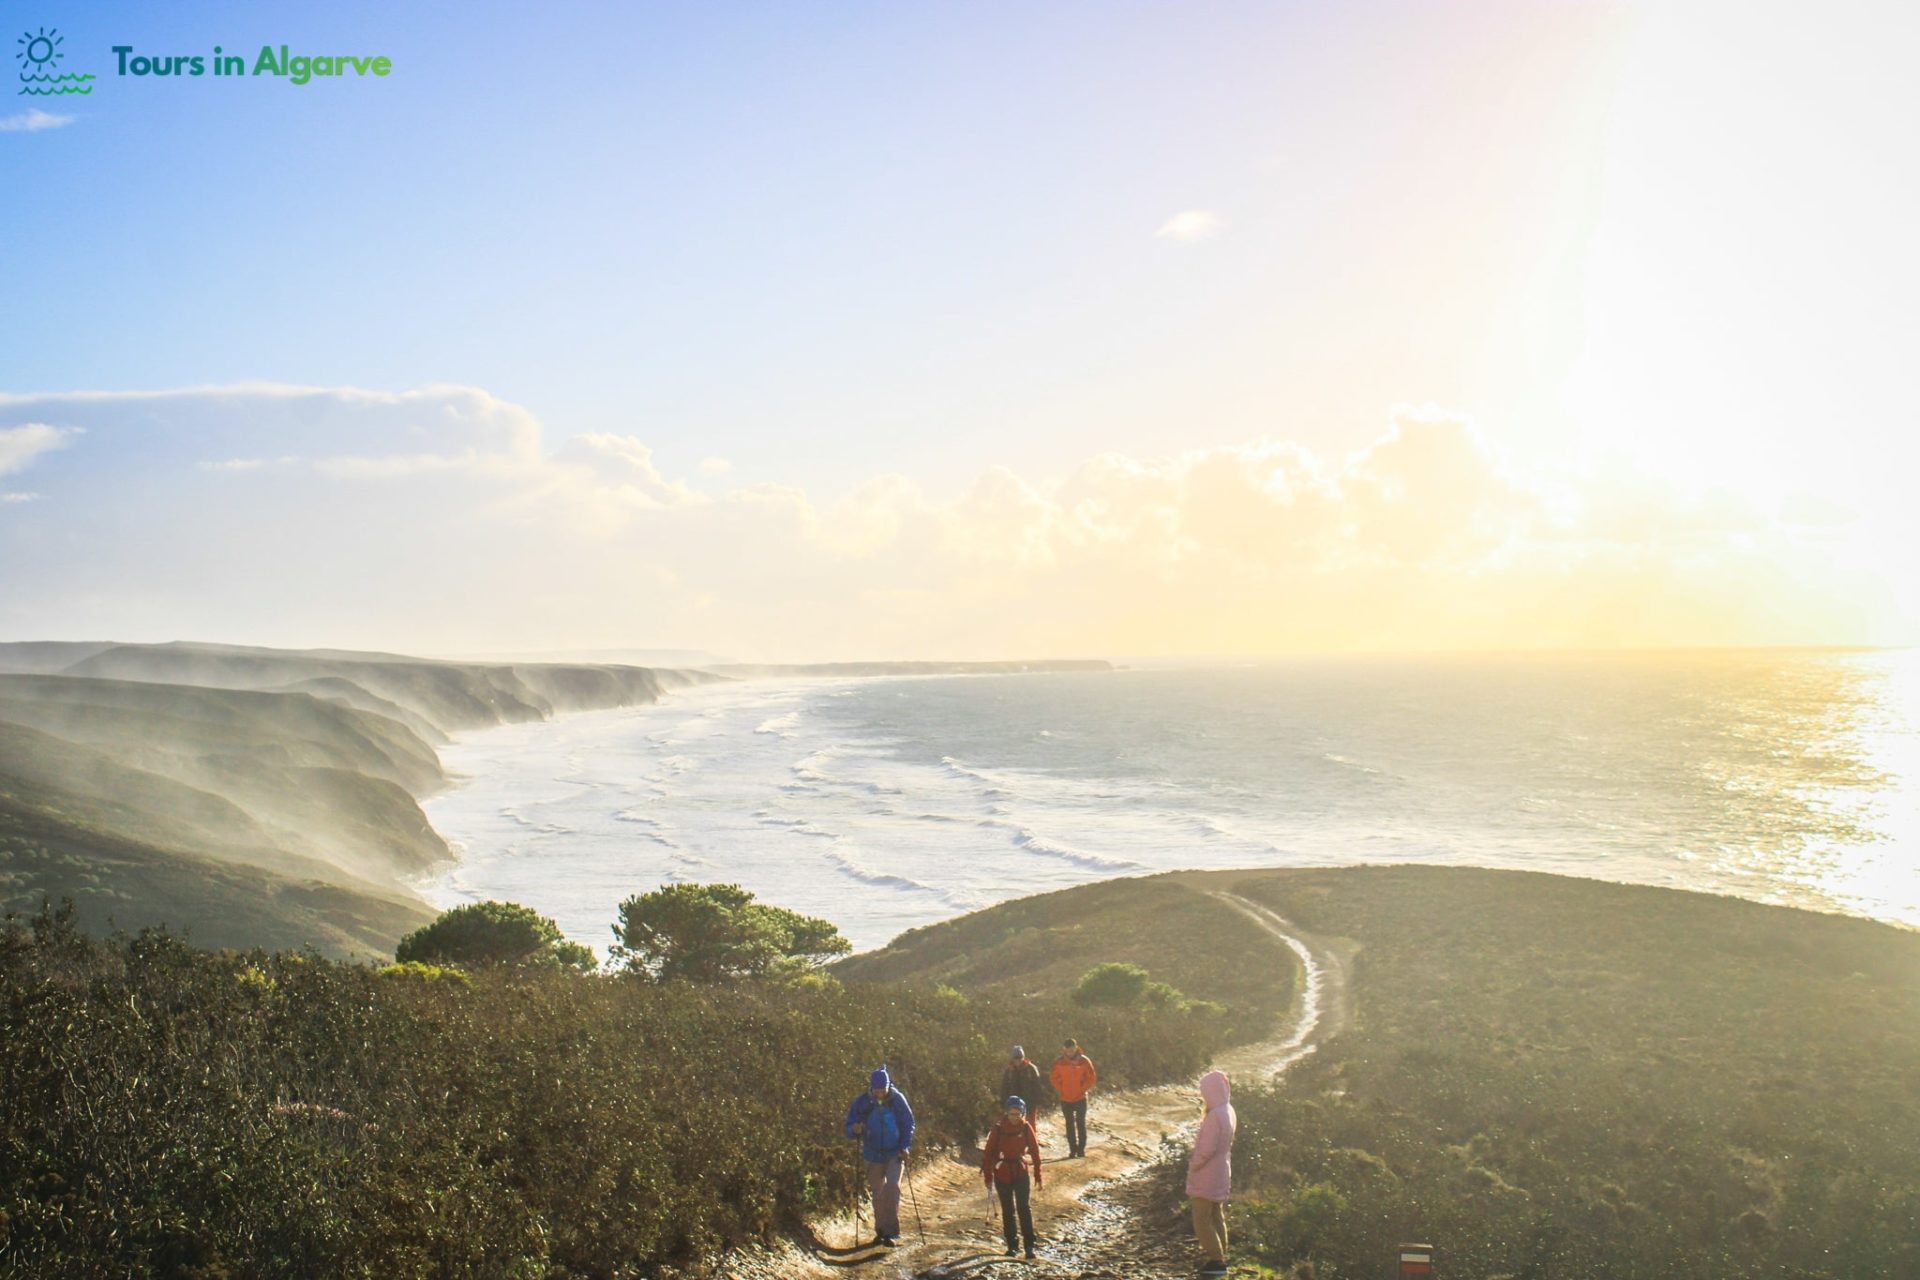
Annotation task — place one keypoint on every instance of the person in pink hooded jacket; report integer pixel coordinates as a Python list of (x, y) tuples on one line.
[(1210, 1172)]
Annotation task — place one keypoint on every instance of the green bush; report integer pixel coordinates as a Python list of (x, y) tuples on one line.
[(419, 972), (713, 932), (1293, 1228), (493, 933), (1114, 984), (1119, 985)]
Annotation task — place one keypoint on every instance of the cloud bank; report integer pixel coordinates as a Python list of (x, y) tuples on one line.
[(446, 520)]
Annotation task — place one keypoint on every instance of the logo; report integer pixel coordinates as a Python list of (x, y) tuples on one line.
[(40, 60)]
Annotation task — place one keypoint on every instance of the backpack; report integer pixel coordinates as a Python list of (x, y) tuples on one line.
[(883, 1126)]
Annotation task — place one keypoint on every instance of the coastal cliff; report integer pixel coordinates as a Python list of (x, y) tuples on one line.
[(256, 797)]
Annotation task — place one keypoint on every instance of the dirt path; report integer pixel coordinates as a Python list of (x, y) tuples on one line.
[(1094, 1216)]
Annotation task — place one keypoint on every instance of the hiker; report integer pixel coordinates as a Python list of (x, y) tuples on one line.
[(1021, 1079), (1072, 1078), (883, 1122), (1210, 1172), (1011, 1143)]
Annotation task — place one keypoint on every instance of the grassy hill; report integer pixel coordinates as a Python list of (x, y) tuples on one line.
[(51, 849), (1542, 1076), (1557, 1077), (1044, 945)]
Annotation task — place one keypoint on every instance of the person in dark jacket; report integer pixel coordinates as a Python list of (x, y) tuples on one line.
[(1011, 1146), (1021, 1079), (883, 1122)]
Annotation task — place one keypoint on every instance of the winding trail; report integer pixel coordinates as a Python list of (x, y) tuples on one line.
[(1094, 1214)]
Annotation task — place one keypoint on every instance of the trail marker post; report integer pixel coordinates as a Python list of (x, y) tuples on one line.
[(1416, 1259)]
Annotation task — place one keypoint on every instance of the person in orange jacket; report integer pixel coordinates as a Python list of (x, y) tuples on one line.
[(1011, 1144), (1073, 1078)]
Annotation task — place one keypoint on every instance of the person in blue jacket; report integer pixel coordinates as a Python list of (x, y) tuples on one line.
[(883, 1122)]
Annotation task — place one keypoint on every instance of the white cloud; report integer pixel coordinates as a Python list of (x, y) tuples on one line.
[(32, 122), (20, 445), (247, 464), (1190, 225), (715, 468), (439, 519), (15, 498)]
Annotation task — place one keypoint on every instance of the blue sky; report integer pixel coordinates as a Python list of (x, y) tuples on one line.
[(804, 236), (952, 288)]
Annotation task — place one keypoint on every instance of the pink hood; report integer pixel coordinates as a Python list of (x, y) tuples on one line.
[(1210, 1168)]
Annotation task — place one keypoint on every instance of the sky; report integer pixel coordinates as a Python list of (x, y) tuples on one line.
[(986, 330)]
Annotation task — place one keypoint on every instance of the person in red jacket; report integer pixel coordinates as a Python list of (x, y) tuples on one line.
[(1073, 1078), (1011, 1144)]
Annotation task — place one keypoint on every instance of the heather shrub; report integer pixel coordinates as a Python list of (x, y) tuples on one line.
[(167, 1111), (1551, 1077)]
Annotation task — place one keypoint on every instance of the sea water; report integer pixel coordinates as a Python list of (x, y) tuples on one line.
[(881, 804)]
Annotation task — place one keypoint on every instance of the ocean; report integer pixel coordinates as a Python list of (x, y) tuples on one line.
[(886, 803)]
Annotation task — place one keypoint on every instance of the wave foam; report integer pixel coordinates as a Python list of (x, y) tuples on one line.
[(780, 726), (1033, 842)]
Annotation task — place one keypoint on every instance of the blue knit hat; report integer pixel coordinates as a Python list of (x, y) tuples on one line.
[(1015, 1100), (879, 1079)]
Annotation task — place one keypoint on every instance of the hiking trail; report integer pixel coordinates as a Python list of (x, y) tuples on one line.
[(1097, 1217)]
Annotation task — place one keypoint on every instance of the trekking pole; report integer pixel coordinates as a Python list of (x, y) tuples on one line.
[(913, 1195), (856, 1206)]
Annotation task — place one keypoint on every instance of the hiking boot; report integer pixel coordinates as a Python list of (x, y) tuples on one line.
[(1030, 1253), (1012, 1248)]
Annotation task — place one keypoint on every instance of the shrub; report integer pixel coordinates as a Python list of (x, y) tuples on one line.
[(493, 933), (711, 932), (1118, 985), (1114, 985), (424, 972), (172, 1112)]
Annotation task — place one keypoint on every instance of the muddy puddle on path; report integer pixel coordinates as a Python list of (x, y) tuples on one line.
[(1111, 1214)]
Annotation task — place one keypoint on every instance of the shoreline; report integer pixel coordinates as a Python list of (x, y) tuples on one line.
[(762, 801)]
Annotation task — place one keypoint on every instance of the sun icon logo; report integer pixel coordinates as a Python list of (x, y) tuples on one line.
[(42, 52), (39, 57)]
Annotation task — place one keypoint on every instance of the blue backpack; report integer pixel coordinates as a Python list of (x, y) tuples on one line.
[(883, 1127)]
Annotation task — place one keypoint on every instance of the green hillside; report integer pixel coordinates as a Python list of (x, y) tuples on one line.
[(1541, 1076), (1045, 944), (1547, 1076), (52, 850)]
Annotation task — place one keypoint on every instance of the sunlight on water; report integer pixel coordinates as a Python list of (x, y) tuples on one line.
[(1879, 873)]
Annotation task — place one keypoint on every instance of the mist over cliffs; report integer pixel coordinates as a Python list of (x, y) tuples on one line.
[(256, 797)]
